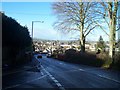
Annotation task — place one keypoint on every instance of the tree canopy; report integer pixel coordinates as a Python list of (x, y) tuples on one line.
[(15, 41), (78, 16), (101, 44), (13, 34)]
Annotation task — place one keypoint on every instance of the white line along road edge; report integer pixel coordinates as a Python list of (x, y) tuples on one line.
[(53, 78)]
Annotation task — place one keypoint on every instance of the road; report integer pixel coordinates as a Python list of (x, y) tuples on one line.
[(52, 73)]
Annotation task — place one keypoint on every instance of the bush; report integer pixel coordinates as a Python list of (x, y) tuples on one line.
[(15, 38), (70, 53), (82, 58), (89, 59), (61, 57), (116, 63), (104, 57)]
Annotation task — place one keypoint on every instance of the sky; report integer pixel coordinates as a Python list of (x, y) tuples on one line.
[(26, 12)]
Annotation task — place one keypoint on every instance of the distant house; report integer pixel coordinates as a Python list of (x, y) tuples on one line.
[(87, 46), (66, 46), (90, 46), (93, 46)]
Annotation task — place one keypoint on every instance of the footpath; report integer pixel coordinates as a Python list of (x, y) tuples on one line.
[(32, 64)]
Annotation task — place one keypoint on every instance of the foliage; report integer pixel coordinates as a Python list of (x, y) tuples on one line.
[(116, 64), (105, 58), (109, 14), (70, 53), (77, 16), (101, 44), (88, 58), (84, 58), (14, 34), (15, 39)]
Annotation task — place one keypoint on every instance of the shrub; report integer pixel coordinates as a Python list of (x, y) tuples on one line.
[(61, 57), (83, 58), (15, 38), (70, 53), (104, 57), (116, 63)]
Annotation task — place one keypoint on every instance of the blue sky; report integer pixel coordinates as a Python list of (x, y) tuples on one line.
[(26, 12)]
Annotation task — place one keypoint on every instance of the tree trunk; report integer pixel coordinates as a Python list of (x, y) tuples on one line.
[(112, 38), (82, 39), (82, 45), (113, 16)]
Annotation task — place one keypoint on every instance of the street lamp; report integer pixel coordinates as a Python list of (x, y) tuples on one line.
[(32, 31), (33, 24)]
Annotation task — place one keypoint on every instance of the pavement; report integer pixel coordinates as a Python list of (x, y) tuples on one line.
[(33, 63), (51, 73)]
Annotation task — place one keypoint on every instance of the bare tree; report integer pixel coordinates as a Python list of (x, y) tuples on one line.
[(110, 15), (77, 16)]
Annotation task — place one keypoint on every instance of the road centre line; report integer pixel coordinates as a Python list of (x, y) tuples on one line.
[(109, 78), (102, 76)]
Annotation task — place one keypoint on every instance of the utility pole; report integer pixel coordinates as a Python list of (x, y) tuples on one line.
[(32, 31), (33, 25)]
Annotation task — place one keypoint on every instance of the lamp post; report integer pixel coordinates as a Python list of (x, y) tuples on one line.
[(33, 24), (32, 31)]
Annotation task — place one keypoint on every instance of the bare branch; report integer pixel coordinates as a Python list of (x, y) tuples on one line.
[(90, 30), (102, 28), (87, 28)]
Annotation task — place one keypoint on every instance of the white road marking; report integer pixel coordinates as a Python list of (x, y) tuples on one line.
[(54, 80), (109, 78), (42, 73), (50, 75), (92, 73), (101, 76), (81, 69), (59, 85), (13, 86)]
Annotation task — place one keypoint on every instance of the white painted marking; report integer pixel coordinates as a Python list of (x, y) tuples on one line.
[(81, 69), (12, 86), (103, 76), (42, 73), (109, 78), (54, 80), (50, 75), (62, 88), (59, 85)]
